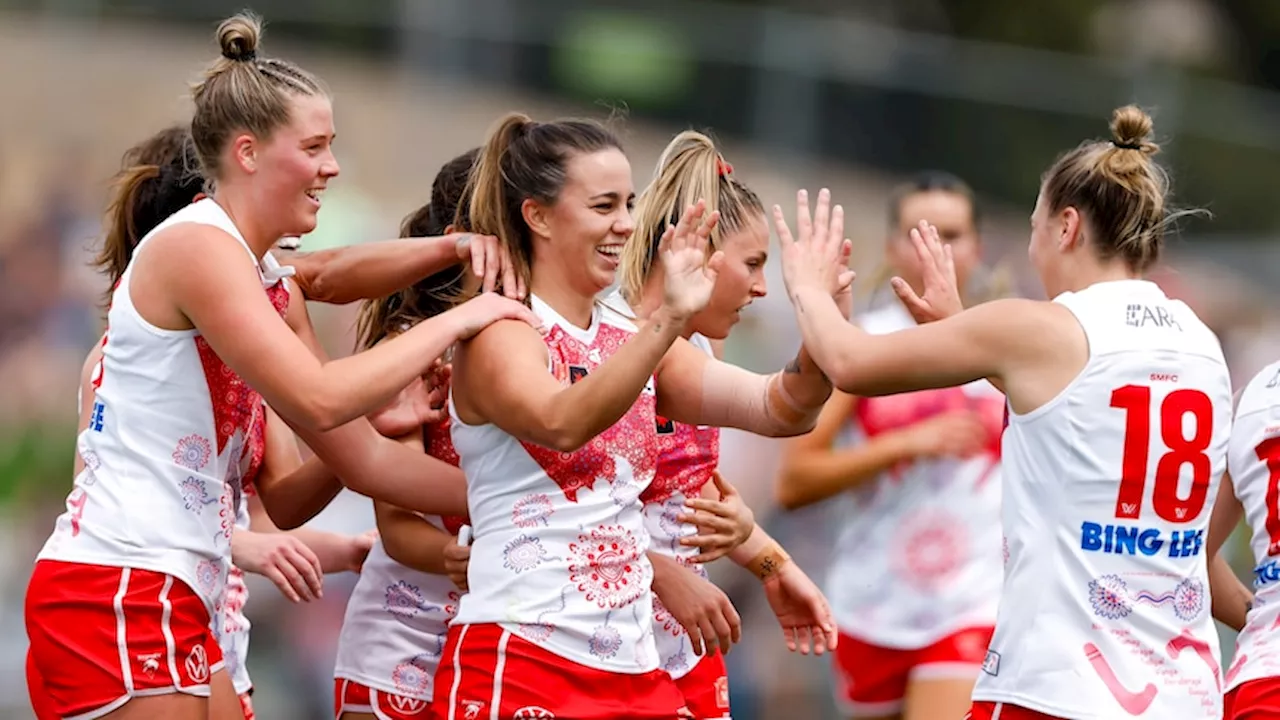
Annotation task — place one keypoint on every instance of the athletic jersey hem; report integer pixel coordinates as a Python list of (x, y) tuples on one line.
[(382, 686), (1035, 705), (966, 622), (585, 660), (135, 563)]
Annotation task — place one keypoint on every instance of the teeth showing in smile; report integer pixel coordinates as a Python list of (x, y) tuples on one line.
[(314, 194), (610, 250)]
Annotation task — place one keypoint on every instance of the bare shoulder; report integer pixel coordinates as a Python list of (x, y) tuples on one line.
[(502, 344)]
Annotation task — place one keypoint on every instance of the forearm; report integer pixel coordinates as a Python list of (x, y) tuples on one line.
[(1230, 599), (828, 338), (592, 405), (362, 383), (371, 270), (333, 551), (419, 545), (385, 470), (299, 496), (811, 477)]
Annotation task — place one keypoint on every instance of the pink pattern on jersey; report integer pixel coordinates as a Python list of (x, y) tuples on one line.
[(234, 402), (606, 566), (237, 594), (687, 456), (631, 438), (207, 574), (891, 413), (1134, 703), (523, 553), (192, 452), (531, 510), (411, 677), (930, 548), (403, 600), (663, 617), (195, 495), (75, 502)]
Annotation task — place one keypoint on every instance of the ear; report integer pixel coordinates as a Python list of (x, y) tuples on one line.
[(244, 151), (450, 229), (1072, 234), (535, 216)]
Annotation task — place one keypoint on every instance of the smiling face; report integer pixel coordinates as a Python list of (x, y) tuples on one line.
[(584, 230), (740, 279), (292, 166)]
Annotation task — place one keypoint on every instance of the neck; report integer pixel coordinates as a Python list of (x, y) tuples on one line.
[(257, 235), (563, 297), (1110, 271), (651, 297)]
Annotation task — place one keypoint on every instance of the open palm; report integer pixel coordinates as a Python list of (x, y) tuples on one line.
[(690, 275)]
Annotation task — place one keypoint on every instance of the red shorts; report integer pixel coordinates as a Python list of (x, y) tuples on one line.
[(1253, 700), (246, 704), (872, 680), (350, 696), (102, 635), (706, 689), (485, 665), (1004, 711)]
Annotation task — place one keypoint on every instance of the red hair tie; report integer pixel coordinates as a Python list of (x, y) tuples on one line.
[(723, 168)]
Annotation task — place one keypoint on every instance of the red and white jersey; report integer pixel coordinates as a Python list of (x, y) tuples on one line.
[(559, 549), (918, 557), (163, 451), (687, 457), (1107, 496), (1253, 458), (398, 618)]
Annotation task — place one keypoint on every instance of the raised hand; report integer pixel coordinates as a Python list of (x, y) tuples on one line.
[(690, 275), (819, 256), (941, 296)]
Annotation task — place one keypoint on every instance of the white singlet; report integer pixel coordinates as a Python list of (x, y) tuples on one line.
[(1253, 460), (163, 452), (559, 549), (1107, 496)]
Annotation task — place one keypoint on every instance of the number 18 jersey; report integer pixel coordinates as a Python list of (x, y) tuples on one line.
[(1108, 489)]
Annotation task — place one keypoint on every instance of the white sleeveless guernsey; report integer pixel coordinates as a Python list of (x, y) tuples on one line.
[(1254, 462), (163, 452), (1107, 496), (918, 554), (397, 618), (559, 549)]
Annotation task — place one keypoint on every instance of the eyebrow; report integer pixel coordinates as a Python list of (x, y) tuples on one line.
[(611, 195), (320, 136)]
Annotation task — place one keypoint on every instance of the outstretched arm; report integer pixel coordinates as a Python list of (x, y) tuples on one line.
[(376, 269)]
